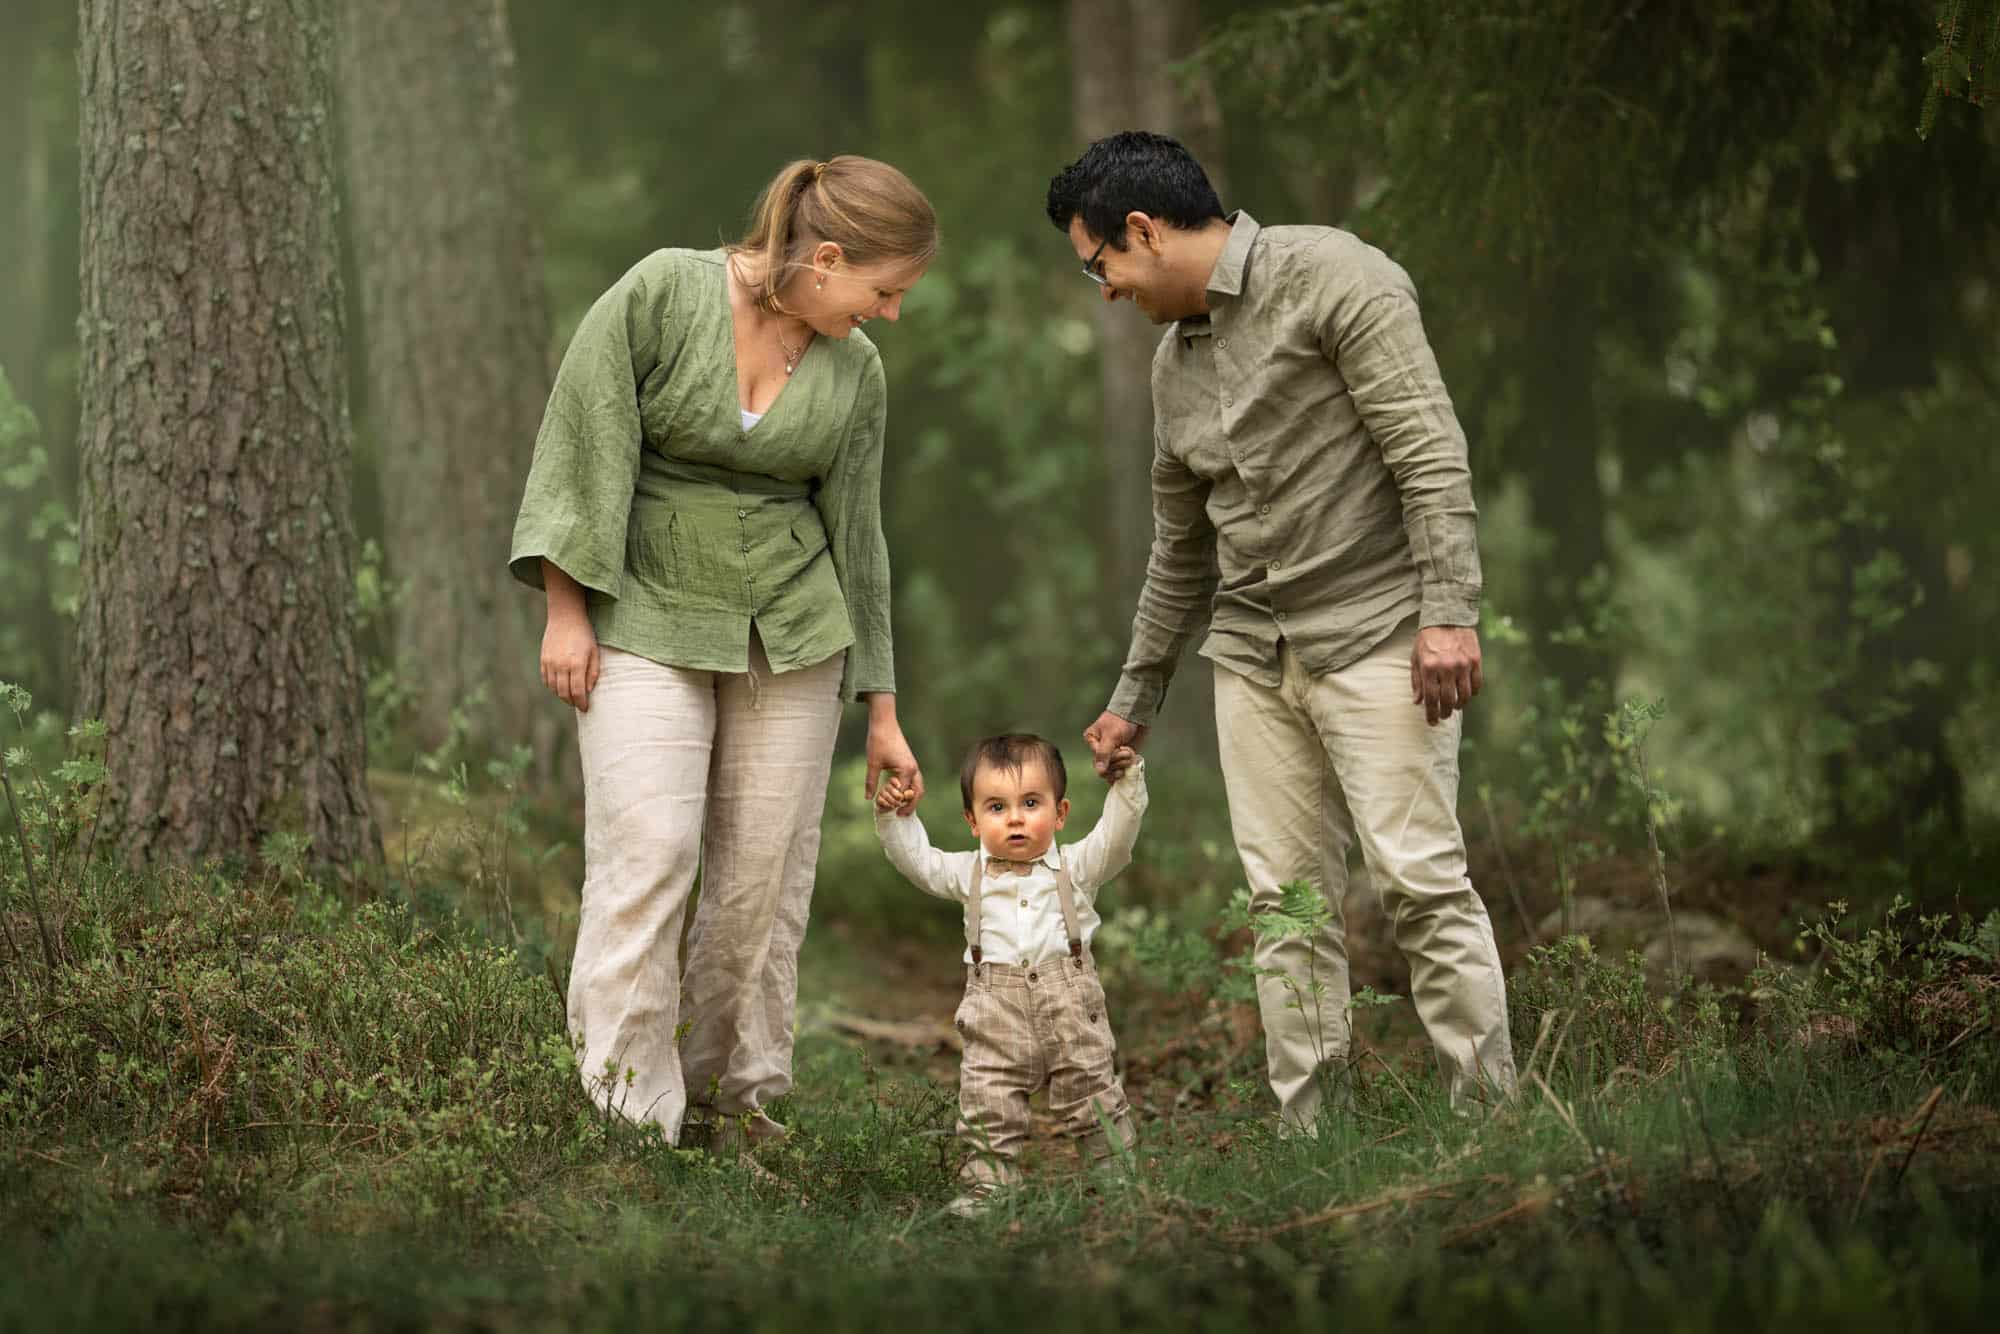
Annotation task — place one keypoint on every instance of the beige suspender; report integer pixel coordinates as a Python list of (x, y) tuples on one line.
[(1065, 899), (972, 907)]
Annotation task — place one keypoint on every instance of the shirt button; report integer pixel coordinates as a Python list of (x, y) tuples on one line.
[(1263, 509), (1275, 564), (743, 514), (1227, 400), (1281, 616), (1222, 342), (746, 546), (1024, 903)]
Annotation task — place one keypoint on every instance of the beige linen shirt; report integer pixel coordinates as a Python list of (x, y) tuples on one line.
[(1020, 917), (1309, 475)]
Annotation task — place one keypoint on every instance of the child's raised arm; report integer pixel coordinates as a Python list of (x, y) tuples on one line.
[(1107, 849), (948, 875)]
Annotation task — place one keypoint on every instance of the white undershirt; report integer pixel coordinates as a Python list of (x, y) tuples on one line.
[(750, 418)]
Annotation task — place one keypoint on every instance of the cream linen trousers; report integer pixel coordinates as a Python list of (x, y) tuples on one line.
[(1311, 766), (722, 770)]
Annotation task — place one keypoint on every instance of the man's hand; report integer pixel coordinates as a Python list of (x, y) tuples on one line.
[(1107, 737), (1444, 670)]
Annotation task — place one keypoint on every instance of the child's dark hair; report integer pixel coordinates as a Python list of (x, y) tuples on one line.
[(1132, 170), (1012, 751)]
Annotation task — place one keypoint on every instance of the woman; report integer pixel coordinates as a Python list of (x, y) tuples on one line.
[(704, 513)]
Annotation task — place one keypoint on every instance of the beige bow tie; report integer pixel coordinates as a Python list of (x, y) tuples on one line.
[(1008, 866)]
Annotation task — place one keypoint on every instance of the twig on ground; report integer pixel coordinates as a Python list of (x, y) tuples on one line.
[(1408, 1195), (1921, 1123)]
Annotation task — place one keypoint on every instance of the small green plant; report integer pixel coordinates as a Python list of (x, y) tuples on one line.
[(1919, 986)]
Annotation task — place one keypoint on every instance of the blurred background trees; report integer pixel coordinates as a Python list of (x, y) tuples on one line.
[(1722, 327)]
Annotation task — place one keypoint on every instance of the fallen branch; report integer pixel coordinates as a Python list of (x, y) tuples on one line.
[(1922, 1123), (902, 1032), (1410, 1195)]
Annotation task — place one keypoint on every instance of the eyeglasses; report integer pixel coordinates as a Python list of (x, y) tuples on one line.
[(1090, 270)]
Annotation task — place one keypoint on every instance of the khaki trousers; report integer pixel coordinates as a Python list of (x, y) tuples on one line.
[(1310, 767), (681, 768), (1025, 1026)]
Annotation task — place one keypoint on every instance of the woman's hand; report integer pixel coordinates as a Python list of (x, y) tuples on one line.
[(570, 657), (889, 754)]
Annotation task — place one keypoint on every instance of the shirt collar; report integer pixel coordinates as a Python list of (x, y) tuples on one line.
[(1226, 278), (1231, 267), (1048, 857)]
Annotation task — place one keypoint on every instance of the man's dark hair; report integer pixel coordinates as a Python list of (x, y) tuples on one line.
[(1012, 751), (1132, 170)]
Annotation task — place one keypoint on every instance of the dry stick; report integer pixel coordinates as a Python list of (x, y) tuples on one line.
[(1405, 1196), (1923, 1123), (28, 865), (1507, 869), (1920, 1121)]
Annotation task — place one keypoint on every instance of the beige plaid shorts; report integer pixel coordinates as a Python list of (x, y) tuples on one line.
[(1026, 1026)]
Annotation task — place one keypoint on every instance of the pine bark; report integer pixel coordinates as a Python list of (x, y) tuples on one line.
[(1120, 51), (455, 327), (215, 637)]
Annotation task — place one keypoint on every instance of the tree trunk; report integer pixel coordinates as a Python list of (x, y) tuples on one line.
[(1119, 54), (216, 639), (456, 331), (24, 191)]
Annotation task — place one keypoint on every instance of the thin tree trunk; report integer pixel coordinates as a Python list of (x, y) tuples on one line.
[(1120, 51), (456, 336), (216, 639)]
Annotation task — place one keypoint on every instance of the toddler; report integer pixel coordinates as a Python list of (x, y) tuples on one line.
[(1033, 1012)]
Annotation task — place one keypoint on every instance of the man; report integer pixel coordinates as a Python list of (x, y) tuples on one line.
[(1312, 503)]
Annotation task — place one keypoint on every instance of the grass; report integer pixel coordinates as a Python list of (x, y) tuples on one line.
[(250, 1105), (234, 1100)]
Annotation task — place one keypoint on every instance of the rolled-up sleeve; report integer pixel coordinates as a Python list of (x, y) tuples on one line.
[(578, 496), (850, 503), (1371, 330)]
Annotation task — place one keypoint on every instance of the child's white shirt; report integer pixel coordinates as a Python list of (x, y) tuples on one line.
[(1020, 915)]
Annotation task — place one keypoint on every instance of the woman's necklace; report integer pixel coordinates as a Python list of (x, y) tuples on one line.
[(792, 354)]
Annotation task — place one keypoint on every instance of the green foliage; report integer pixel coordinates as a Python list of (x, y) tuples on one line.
[(1913, 986), (38, 570), (1963, 62), (1574, 1010)]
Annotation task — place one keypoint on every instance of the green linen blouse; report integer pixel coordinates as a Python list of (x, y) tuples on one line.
[(683, 527)]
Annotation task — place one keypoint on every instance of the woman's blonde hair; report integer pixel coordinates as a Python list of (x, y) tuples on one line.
[(872, 211)]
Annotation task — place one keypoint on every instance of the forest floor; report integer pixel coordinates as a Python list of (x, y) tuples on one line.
[(241, 1104)]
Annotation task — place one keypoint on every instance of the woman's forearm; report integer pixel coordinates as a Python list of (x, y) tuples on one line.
[(565, 595)]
